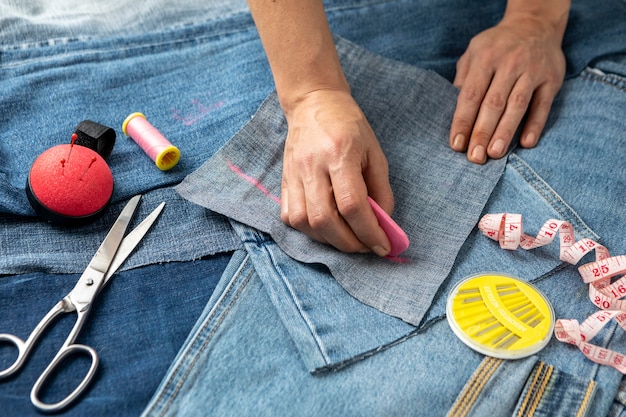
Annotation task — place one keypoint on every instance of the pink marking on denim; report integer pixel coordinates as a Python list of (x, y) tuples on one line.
[(253, 181), (398, 259), (261, 187), (199, 114)]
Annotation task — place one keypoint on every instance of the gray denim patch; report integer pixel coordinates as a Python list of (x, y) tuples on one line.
[(439, 194)]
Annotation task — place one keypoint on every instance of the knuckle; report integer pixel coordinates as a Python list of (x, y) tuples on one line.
[(348, 206), (544, 103), (462, 124), (297, 219), (481, 136), (519, 100), (495, 101), (471, 94), (319, 221)]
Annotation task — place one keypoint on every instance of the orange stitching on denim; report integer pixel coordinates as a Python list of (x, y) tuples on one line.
[(539, 394), (473, 388), (530, 391), (591, 388)]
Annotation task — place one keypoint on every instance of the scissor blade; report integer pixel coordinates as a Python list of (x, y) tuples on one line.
[(106, 252), (131, 241)]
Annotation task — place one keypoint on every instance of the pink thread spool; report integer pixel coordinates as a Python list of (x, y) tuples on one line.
[(154, 144)]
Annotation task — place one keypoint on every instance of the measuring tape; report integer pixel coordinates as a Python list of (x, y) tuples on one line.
[(506, 229)]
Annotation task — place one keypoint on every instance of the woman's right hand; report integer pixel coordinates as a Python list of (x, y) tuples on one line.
[(332, 162)]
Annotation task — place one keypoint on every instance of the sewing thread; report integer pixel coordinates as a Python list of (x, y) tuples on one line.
[(154, 144)]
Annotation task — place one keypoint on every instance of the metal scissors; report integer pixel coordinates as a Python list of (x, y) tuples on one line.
[(110, 255)]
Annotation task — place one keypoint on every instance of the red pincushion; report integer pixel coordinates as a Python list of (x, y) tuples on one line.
[(69, 182)]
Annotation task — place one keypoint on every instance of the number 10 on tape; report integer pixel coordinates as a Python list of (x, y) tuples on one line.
[(605, 293)]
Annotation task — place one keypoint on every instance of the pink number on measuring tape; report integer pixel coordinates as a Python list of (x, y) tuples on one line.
[(506, 229)]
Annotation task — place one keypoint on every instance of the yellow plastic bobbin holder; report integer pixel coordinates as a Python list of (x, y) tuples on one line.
[(155, 145), (500, 316)]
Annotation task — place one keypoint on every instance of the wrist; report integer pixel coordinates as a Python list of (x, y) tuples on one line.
[(310, 94), (550, 16)]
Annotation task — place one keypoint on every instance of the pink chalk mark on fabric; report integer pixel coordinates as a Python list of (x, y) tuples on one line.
[(199, 114), (253, 181), (392, 257)]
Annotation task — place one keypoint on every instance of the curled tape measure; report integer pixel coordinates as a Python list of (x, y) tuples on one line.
[(500, 316), (605, 293)]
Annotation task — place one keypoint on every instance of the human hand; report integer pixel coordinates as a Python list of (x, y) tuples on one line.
[(511, 70), (332, 161)]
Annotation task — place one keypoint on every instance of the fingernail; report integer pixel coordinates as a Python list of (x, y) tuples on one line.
[(530, 140), (379, 250), (497, 147), (478, 154), (458, 143)]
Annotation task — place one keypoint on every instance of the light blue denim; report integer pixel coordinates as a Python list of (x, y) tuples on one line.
[(198, 71), (283, 337), (63, 61)]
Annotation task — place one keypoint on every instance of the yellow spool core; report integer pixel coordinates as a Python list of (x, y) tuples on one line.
[(500, 316), (167, 158)]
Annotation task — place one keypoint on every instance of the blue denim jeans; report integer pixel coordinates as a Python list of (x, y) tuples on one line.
[(198, 72), (284, 337)]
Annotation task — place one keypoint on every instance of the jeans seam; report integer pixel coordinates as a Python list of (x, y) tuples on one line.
[(197, 351), (584, 404), (478, 380), (536, 390), (551, 197), (301, 312), (138, 45), (337, 366), (356, 5), (612, 80)]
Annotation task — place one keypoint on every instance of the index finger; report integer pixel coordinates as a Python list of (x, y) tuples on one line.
[(350, 194), (468, 104)]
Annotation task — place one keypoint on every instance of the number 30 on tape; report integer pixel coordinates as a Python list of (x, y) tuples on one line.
[(507, 229)]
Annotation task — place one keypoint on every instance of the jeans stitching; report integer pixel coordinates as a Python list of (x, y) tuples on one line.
[(535, 393), (196, 351), (591, 389), (551, 197), (95, 49), (478, 380), (302, 314), (337, 366), (612, 80)]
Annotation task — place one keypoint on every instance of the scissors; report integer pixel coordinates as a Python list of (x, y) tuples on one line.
[(110, 255)]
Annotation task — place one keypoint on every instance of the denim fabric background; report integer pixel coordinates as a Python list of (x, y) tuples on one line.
[(319, 352), (197, 70)]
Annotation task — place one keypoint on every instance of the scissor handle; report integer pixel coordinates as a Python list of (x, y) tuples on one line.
[(23, 349), (63, 354)]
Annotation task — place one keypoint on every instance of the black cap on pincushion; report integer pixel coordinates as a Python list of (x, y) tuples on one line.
[(95, 136)]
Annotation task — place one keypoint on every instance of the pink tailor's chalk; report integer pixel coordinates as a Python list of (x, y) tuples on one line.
[(398, 239)]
